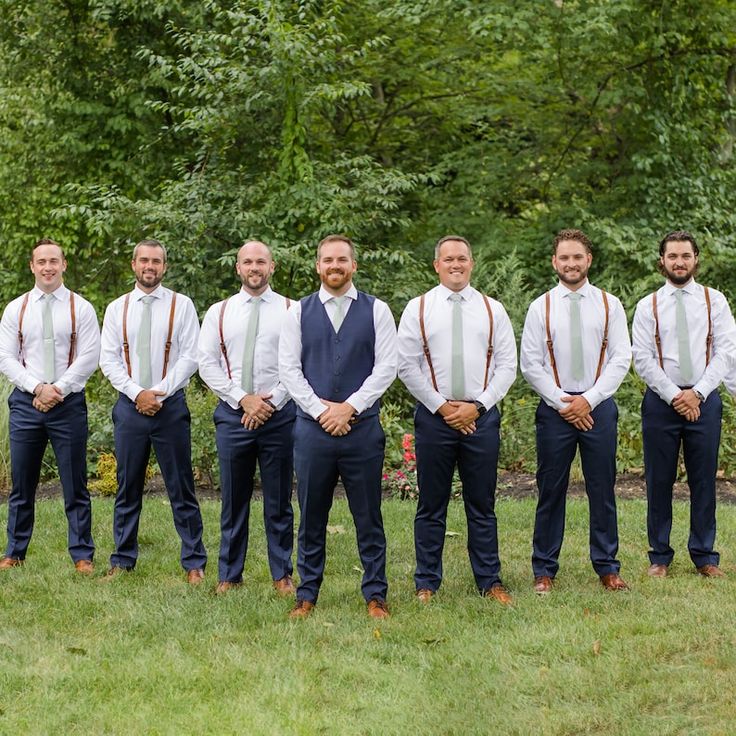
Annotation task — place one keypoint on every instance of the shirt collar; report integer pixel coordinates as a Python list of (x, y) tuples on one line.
[(466, 292), (691, 287), (138, 293), (564, 291), (245, 297), (325, 296), (61, 293)]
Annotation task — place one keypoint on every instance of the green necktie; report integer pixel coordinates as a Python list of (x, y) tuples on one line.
[(683, 339), (143, 343), (49, 357), (458, 359), (339, 313), (576, 338), (249, 349)]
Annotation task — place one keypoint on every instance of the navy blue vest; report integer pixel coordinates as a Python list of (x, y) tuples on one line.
[(337, 364)]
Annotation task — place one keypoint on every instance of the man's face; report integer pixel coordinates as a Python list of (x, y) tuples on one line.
[(149, 266), (336, 266), (571, 261), (48, 266), (454, 265), (254, 266), (679, 261)]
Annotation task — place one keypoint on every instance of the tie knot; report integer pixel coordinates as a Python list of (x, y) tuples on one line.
[(147, 299), (679, 293), (339, 300), (456, 298), (575, 297), (47, 298)]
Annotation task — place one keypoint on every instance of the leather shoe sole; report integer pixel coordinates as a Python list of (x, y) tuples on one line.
[(500, 594), (657, 570), (7, 562), (302, 609), (84, 567), (425, 595), (543, 584), (284, 586), (613, 581), (377, 609), (196, 576), (711, 571)]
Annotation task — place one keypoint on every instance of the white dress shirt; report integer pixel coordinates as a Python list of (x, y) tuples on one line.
[(535, 362), (69, 378), (183, 353), (212, 365), (438, 310), (384, 363), (666, 381)]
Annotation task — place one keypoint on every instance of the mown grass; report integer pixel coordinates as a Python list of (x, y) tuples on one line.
[(146, 654)]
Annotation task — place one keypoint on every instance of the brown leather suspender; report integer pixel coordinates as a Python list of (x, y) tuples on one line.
[(425, 344), (550, 344), (709, 336), (221, 321), (72, 336), (167, 346)]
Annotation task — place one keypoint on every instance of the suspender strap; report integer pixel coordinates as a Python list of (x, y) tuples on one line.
[(72, 337), (167, 346), (425, 345), (20, 327), (657, 340), (223, 347), (550, 346), (126, 345), (489, 352), (708, 339), (604, 343)]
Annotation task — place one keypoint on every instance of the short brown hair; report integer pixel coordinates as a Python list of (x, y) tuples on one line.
[(446, 238), (572, 234), (680, 236), (336, 238), (46, 241), (150, 243)]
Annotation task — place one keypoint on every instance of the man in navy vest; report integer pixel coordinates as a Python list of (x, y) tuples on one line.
[(337, 356)]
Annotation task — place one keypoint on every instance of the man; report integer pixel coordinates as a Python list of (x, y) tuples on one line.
[(49, 346), (457, 357), (575, 352), (254, 421), (149, 352), (683, 337), (337, 356)]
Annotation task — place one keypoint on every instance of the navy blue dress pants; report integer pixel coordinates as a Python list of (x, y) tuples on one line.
[(168, 432), (664, 430), (65, 426), (557, 442), (356, 458), (439, 448), (272, 446)]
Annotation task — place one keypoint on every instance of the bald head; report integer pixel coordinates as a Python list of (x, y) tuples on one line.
[(254, 265)]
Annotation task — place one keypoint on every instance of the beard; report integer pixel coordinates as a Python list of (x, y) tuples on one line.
[(679, 277), (573, 277), (149, 280), (254, 281), (336, 279)]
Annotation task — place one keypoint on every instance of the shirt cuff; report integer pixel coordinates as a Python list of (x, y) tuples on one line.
[(356, 402), (593, 397)]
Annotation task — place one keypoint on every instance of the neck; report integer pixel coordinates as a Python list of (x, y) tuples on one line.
[(574, 287), (679, 286), (48, 289), (338, 292), (254, 292), (146, 289)]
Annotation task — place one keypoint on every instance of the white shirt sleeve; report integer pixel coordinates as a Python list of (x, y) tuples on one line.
[(87, 349), (504, 358)]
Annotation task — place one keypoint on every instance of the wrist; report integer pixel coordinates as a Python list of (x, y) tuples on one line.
[(480, 407)]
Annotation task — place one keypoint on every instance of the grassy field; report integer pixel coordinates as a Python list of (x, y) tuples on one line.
[(145, 654)]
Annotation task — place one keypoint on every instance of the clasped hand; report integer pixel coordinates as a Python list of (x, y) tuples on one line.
[(257, 410), (687, 404), (147, 402), (46, 397), (336, 418), (577, 412), (459, 415)]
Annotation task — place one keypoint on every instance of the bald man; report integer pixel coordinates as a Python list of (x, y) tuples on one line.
[(254, 421)]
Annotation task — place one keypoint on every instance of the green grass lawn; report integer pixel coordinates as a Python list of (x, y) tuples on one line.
[(144, 654)]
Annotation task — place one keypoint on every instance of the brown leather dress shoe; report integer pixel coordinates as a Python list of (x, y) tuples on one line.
[(377, 609), (196, 576), (284, 586), (711, 571), (425, 595), (84, 567), (613, 581), (657, 570), (113, 572), (225, 586), (302, 609), (7, 562), (499, 593), (543, 584)]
